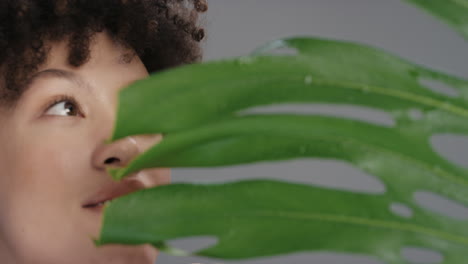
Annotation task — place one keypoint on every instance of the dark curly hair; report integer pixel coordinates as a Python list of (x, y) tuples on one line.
[(163, 33)]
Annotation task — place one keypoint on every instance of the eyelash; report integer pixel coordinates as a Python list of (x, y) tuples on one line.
[(62, 98)]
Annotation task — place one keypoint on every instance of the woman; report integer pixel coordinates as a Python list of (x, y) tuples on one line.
[(62, 64)]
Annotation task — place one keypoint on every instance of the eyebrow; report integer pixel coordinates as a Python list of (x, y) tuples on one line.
[(57, 73)]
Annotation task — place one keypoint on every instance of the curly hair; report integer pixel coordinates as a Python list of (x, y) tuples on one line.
[(163, 33)]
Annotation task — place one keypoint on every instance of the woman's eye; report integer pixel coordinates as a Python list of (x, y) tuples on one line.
[(63, 108)]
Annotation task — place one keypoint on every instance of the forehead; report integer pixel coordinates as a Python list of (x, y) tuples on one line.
[(108, 67), (102, 50), (106, 58), (104, 53)]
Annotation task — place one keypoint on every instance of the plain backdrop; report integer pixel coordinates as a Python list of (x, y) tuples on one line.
[(235, 28)]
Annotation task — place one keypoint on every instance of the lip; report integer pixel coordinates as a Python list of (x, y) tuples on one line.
[(111, 191)]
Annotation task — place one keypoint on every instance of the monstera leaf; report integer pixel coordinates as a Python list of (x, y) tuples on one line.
[(454, 12), (211, 115)]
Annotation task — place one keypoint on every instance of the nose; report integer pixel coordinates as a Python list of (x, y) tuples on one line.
[(121, 152)]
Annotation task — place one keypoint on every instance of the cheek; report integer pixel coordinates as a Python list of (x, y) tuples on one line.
[(155, 177), (44, 169), (46, 174), (52, 165), (40, 189)]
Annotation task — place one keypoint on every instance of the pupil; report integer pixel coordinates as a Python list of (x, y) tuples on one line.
[(70, 108)]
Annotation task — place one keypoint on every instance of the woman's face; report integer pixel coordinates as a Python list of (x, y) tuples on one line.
[(52, 160)]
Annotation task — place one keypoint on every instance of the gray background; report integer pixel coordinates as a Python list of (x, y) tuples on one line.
[(236, 27)]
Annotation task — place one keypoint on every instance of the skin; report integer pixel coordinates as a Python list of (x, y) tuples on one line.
[(53, 161)]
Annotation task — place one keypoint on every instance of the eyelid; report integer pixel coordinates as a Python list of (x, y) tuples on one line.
[(60, 98)]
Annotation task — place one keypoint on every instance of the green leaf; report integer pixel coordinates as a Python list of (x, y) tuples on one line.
[(324, 71), (205, 113), (454, 12), (263, 217)]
